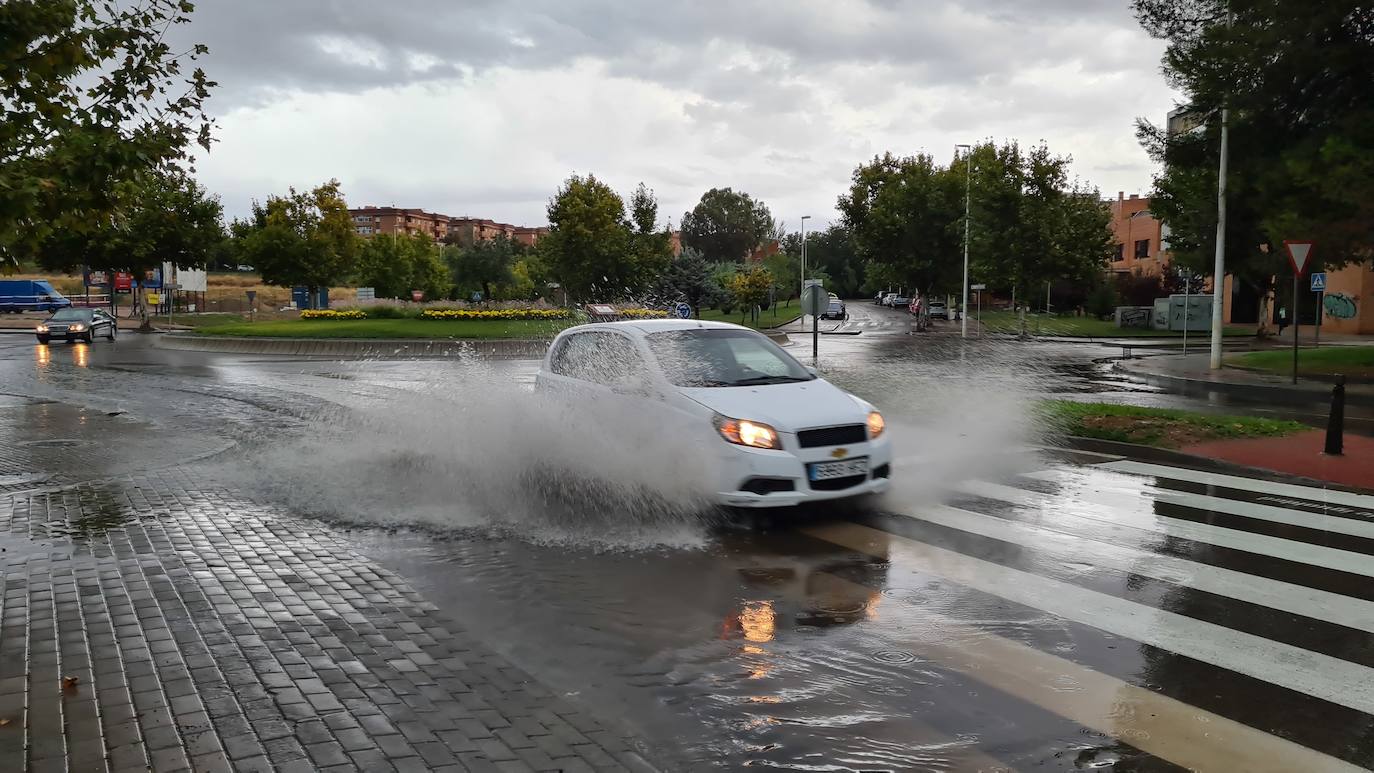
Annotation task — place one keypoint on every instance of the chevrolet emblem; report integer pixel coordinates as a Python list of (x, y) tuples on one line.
[(839, 453)]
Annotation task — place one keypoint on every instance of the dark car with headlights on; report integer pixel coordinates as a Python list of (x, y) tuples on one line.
[(76, 325)]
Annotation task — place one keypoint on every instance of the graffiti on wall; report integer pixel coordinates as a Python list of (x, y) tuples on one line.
[(1339, 306)]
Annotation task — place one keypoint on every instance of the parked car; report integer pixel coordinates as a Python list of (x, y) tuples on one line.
[(30, 295), (878, 299), (900, 302), (76, 325), (836, 310), (939, 310), (779, 433)]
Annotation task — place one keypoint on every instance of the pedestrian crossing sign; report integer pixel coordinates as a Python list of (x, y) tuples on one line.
[(1319, 281)]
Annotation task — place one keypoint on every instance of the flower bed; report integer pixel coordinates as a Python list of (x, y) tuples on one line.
[(549, 314), (333, 314), (643, 313)]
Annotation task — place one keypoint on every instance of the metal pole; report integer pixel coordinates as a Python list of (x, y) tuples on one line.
[(1296, 327), (1335, 421), (968, 200), (1047, 299), (1186, 281), (1319, 319), (803, 255), (815, 339), (980, 312), (1219, 270)]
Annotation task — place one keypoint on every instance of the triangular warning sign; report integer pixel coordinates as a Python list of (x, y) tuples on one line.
[(1298, 253)]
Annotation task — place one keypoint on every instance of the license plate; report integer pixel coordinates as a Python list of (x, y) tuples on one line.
[(841, 469)]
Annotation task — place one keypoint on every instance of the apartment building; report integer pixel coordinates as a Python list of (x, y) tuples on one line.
[(1140, 238), (368, 221)]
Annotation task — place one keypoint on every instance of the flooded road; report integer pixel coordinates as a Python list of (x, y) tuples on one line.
[(1007, 607)]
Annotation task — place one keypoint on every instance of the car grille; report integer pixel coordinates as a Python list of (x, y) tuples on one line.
[(838, 484), (832, 436)]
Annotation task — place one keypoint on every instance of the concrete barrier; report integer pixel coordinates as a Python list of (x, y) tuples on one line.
[(360, 348)]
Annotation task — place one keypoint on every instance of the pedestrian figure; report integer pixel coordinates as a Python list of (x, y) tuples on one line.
[(1283, 318)]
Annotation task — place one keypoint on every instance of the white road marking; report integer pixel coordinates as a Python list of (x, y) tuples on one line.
[(1275, 594), (1319, 495), (1312, 673), (1069, 513)]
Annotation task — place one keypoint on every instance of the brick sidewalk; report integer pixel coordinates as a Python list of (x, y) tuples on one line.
[(156, 623), (1299, 454)]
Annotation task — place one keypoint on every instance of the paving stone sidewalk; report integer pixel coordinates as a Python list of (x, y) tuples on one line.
[(158, 622)]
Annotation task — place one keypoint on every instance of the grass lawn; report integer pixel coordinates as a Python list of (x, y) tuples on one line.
[(1351, 360), (392, 328), (766, 318), (1160, 427), (1052, 325), (201, 321)]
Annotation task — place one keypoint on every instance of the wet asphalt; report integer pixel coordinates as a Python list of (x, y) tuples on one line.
[(1008, 607)]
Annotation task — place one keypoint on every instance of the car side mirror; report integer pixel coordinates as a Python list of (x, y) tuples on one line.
[(813, 371)]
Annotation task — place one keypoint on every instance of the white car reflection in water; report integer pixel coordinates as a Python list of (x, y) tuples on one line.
[(786, 435)]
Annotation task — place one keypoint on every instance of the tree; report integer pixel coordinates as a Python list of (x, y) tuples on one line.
[(306, 239), (751, 288), (486, 263), (688, 279), (786, 272), (830, 252), (1295, 76), (726, 225), (904, 215), (396, 264), (162, 217), (95, 102), (652, 249), (592, 249)]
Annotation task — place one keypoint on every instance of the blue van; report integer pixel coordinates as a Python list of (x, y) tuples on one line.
[(30, 295)]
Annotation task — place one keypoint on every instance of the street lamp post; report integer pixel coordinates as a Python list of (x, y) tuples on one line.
[(803, 255), (968, 199)]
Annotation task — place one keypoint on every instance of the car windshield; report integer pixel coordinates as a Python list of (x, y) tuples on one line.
[(71, 315), (723, 358)]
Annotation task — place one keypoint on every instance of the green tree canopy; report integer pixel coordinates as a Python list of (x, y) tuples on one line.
[(487, 263), (1295, 76), (751, 288), (593, 250), (726, 225), (396, 264), (305, 239), (1030, 224), (94, 102), (688, 278)]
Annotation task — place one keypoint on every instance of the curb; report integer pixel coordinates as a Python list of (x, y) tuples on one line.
[(1204, 463), (361, 348), (1250, 392)]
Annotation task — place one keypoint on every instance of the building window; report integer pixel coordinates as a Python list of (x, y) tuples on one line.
[(1120, 252), (365, 230), (1142, 249)]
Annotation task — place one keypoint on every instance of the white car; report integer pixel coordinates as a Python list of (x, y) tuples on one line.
[(782, 435)]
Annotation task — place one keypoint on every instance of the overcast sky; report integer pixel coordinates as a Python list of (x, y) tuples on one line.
[(482, 107)]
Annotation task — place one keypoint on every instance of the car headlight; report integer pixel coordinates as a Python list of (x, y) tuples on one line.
[(743, 432), (78, 327), (41, 329), (876, 425)]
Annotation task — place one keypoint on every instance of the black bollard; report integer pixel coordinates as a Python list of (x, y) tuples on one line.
[(1335, 423)]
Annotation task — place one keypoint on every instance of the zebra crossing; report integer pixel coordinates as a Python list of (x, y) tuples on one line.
[(1216, 622)]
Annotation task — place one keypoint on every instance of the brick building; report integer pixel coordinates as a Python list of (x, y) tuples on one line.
[(1140, 238), (466, 231)]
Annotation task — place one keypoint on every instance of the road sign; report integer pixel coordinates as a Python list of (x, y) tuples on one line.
[(812, 282), (815, 300), (1318, 281), (1298, 253), (683, 311), (978, 287)]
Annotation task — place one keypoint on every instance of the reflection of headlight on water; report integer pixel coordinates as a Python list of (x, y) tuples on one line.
[(43, 354), (82, 356)]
